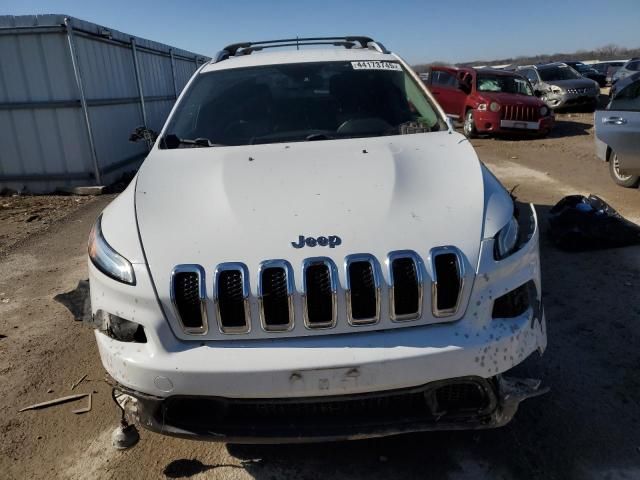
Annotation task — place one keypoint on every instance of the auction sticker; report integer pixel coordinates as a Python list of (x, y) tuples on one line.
[(376, 65)]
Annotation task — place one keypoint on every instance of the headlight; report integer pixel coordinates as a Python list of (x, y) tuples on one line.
[(494, 106), (506, 239), (482, 107), (106, 259), (544, 111)]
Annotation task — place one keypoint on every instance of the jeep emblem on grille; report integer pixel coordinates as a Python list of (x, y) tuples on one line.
[(332, 241)]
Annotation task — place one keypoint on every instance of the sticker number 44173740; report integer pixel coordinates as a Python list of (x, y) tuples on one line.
[(375, 65)]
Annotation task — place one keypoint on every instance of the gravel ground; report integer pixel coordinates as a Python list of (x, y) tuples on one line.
[(586, 427)]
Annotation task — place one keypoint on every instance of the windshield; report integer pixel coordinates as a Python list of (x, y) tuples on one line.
[(561, 72), (298, 102), (487, 82)]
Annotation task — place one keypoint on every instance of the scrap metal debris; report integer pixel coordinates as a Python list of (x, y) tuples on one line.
[(78, 382), (55, 401), (86, 409)]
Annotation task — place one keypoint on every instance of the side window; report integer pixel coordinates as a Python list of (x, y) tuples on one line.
[(530, 74), (634, 66), (443, 79), (627, 99)]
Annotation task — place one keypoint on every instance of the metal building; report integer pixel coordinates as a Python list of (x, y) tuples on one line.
[(71, 92)]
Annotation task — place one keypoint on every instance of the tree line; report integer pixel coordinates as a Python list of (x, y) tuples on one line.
[(607, 52)]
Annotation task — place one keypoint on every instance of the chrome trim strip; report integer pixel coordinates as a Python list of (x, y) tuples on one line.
[(244, 271), (290, 291), (433, 253), (362, 257), (333, 278), (202, 293), (419, 266)]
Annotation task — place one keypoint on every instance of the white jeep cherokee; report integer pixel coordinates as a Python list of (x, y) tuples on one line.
[(311, 252)]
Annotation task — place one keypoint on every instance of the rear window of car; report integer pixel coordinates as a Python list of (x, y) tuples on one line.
[(634, 66), (627, 99)]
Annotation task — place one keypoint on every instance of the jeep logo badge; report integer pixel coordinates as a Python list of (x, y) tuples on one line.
[(332, 241)]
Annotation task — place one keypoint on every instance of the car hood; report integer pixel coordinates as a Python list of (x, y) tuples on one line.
[(573, 83), (513, 99), (248, 204)]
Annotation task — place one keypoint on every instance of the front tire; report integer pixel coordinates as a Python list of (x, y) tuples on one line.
[(627, 181), (469, 126)]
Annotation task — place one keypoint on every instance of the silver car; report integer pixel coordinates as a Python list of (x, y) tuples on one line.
[(617, 132), (560, 86)]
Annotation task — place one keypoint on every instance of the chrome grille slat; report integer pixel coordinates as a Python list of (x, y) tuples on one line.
[(406, 285), (188, 297), (231, 291), (362, 273), (275, 294), (447, 270), (320, 286)]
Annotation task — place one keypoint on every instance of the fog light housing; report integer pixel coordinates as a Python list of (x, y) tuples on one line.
[(119, 328), (516, 302)]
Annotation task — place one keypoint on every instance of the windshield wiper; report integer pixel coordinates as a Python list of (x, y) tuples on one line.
[(173, 141)]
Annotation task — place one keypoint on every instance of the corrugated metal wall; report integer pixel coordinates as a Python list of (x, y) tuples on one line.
[(46, 140)]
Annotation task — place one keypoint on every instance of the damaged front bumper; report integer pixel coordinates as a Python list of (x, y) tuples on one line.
[(454, 404)]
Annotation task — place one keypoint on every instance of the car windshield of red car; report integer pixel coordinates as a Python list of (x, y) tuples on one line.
[(487, 82)]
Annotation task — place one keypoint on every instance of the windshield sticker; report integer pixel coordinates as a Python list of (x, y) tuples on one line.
[(376, 65)]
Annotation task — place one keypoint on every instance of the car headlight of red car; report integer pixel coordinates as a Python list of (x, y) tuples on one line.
[(494, 106), (544, 111)]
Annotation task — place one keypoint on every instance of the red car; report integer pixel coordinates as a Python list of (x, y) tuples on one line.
[(489, 101)]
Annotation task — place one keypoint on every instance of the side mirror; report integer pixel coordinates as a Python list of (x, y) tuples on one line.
[(143, 133), (537, 93)]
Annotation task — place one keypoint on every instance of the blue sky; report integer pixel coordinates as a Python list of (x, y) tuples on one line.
[(420, 31)]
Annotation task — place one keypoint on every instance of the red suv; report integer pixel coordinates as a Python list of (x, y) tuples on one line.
[(489, 101)]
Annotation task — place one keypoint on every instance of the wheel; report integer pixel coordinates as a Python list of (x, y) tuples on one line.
[(628, 181), (469, 126)]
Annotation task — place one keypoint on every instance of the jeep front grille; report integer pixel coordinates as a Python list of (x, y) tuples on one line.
[(231, 287), (275, 291), (405, 294), (320, 279), (520, 112), (189, 295), (363, 289), (447, 282), (319, 301)]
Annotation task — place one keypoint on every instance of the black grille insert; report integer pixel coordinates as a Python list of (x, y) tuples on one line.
[(363, 292), (319, 295), (406, 287), (231, 300), (459, 397), (448, 282), (188, 302), (275, 298)]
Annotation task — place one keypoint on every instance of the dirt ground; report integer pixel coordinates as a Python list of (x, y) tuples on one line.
[(587, 427)]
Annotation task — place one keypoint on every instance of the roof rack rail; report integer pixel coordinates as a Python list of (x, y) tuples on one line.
[(246, 48)]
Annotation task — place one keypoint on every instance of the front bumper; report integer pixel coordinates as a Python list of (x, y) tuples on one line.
[(464, 403), (491, 122), (372, 362), (568, 100)]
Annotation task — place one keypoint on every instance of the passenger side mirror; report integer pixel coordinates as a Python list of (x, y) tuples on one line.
[(537, 93)]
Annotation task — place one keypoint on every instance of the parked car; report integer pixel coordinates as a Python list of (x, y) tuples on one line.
[(560, 86), (629, 68), (588, 71), (489, 101), (617, 132), (311, 252), (608, 68)]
